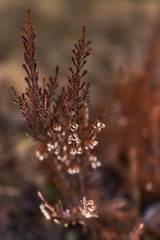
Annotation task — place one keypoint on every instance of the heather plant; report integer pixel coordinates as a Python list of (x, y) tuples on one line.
[(60, 124), (66, 142)]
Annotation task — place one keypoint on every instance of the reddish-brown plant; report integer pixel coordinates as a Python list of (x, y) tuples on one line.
[(60, 124)]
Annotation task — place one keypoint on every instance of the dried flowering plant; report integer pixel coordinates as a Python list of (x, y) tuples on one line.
[(60, 125)]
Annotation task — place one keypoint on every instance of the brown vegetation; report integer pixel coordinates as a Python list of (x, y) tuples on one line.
[(67, 140)]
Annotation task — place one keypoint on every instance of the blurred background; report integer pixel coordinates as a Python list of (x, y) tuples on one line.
[(121, 32)]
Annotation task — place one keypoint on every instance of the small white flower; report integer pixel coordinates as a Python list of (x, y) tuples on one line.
[(73, 151), (95, 164), (57, 127), (73, 127)]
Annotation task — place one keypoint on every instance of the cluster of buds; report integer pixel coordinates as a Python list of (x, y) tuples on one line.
[(51, 146), (57, 128), (73, 126), (95, 164), (98, 126), (91, 144), (41, 156), (76, 150), (62, 158), (88, 208), (73, 170), (73, 138), (94, 161)]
